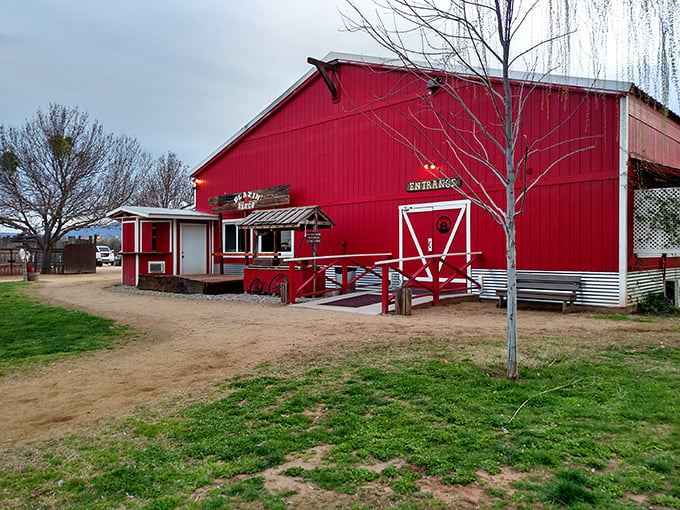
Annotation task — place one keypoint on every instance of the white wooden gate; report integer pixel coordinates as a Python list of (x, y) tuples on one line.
[(434, 228)]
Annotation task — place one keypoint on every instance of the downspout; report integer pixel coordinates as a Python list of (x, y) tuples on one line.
[(624, 224)]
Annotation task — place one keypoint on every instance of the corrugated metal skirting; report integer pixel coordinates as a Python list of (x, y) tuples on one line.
[(641, 283), (597, 289), (229, 269)]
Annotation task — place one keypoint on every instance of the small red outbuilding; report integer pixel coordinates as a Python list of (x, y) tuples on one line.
[(164, 241)]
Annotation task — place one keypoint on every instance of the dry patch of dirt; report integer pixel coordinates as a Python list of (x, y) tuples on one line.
[(471, 495), (304, 494)]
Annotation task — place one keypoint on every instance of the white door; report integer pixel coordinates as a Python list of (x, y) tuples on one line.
[(193, 243), (431, 229)]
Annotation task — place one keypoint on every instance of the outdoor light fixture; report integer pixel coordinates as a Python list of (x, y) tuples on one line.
[(433, 85)]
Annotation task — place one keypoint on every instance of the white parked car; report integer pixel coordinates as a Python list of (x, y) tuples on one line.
[(104, 255)]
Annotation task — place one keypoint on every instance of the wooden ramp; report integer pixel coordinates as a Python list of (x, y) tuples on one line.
[(192, 283), (369, 303)]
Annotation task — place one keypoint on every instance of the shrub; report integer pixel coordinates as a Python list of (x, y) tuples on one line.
[(656, 303)]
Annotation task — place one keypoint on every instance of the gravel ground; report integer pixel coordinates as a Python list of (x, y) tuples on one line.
[(263, 299)]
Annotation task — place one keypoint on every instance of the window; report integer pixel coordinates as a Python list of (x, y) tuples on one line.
[(267, 242), (234, 239), (284, 242), (155, 236)]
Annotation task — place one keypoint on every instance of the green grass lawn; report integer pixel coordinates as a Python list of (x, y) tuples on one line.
[(394, 426), (30, 331)]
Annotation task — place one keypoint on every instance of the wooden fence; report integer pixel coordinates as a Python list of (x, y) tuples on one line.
[(74, 256)]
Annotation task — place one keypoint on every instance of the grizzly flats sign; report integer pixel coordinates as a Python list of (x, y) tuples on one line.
[(247, 200), (434, 184)]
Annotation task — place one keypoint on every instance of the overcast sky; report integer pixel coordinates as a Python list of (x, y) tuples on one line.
[(178, 75)]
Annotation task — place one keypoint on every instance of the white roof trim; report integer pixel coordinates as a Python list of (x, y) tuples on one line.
[(159, 213)]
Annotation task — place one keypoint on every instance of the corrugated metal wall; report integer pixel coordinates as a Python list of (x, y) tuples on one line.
[(229, 269), (641, 283)]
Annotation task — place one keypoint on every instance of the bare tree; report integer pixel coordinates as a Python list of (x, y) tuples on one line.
[(506, 47), (60, 172), (166, 184)]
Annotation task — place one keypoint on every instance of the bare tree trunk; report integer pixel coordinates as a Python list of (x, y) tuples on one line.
[(510, 207), (512, 299), (46, 254)]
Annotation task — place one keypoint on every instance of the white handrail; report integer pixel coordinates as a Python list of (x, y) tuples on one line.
[(300, 259), (406, 259)]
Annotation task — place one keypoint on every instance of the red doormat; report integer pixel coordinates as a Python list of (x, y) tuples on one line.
[(355, 301)]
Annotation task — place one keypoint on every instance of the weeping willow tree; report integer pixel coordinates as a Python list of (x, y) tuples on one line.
[(496, 44)]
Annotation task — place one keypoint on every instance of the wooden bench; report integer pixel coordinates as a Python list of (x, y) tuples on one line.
[(544, 287)]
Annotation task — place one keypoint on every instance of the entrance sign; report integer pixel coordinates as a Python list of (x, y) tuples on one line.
[(434, 184), (254, 199)]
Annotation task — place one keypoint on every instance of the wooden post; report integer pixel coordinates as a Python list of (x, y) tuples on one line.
[(408, 301), (402, 301), (398, 300), (285, 296), (314, 253)]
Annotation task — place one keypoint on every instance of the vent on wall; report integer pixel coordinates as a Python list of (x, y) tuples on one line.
[(156, 267)]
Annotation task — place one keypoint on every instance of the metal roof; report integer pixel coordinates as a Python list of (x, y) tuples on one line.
[(291, 218), (159, 213)]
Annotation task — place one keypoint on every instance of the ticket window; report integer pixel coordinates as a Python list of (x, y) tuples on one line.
[(280, 241), (156, 237)]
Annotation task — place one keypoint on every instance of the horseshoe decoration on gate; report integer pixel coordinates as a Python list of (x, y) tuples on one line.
[(443, 224)]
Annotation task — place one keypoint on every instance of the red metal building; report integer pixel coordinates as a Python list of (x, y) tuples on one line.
[(335, 138)]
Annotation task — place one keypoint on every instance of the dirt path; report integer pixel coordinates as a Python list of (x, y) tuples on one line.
[(186, 346)]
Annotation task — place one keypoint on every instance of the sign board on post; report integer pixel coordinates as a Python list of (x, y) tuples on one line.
[(313, 237)]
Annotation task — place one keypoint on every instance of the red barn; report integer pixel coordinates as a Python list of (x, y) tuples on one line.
[(339, 139)]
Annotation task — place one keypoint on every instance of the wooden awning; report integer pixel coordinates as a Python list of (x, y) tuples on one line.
[(291, 218)]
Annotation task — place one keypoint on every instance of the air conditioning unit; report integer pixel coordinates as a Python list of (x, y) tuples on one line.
[(156, 267)]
